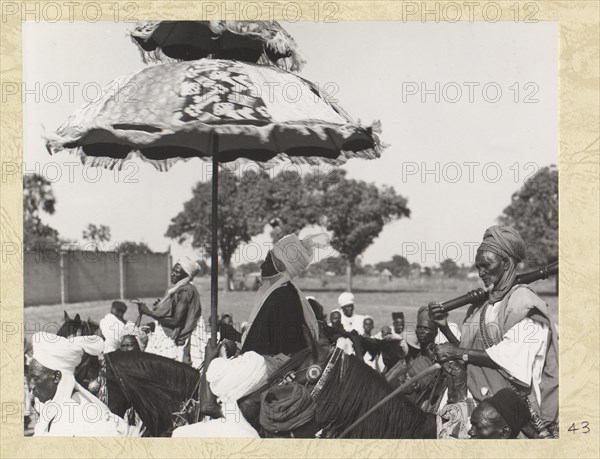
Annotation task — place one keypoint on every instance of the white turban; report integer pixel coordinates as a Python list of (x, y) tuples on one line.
[(232, 379), (64, 354), (295, 254), (345, 299), (189, 266)]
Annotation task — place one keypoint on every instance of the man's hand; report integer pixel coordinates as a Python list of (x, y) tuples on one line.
[(437, 314), (446, 352)]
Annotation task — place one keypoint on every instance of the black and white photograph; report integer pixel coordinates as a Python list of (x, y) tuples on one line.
[(291, 229)]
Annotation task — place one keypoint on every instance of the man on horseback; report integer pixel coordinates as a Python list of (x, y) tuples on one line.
[(65, 407), (177, 314), (282, 315)]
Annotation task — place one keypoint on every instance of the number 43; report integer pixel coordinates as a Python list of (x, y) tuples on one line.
[(585, 427)]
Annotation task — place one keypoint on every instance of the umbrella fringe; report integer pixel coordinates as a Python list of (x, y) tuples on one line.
[(163, 165)]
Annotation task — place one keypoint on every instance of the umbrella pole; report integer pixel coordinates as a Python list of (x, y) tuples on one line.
[(214, 256)]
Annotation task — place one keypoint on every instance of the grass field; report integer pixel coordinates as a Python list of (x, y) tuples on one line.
[(373, 297)]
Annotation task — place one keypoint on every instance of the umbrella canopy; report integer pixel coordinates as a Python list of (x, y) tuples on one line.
[(173, 110), (248, 41), (214, 109)]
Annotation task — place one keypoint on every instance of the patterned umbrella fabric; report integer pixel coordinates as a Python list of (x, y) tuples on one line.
[(263, 42), (172, 110)]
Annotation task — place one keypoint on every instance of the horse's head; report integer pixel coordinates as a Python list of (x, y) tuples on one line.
[(88, 370), (78, 327), (71, 327)]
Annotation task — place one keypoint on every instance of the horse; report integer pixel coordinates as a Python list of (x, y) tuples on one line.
[(348, 389), (154, 386)]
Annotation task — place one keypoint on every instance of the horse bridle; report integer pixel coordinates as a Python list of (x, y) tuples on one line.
[(335, 355)]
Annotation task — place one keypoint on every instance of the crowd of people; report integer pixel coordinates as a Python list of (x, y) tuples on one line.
[(492, 383)]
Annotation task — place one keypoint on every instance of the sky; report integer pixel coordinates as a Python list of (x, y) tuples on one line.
[(468, 111)]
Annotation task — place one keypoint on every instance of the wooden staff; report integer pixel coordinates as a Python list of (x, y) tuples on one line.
[(481, 294)]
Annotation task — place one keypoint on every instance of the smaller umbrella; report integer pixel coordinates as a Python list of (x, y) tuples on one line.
[(263, 42)]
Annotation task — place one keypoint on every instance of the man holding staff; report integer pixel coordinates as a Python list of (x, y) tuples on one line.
[(177, 314), (509, 341)]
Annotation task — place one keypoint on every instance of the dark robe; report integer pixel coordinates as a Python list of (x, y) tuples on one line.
[(277, 328)]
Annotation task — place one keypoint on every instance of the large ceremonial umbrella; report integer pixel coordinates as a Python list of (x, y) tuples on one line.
[(217, 110)]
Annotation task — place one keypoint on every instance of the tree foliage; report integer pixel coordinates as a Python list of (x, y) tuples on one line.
[(242, 215), (449, 268), (533, 212), (289, 203), (96, 233), (38, 198), (130, 247), (355, 212), (398, 266)]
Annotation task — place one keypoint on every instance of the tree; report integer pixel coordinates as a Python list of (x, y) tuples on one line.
[(97, 234), (129, 247), (449, 267), (242, 215), (355, 212), (533, 212), (248, 268), (38, 198), (132, 249), (398, 266)]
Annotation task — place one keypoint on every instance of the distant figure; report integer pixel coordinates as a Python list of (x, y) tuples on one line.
[(335, 318), (499, 417), (392, 354), (368, 325), (130, 343), (133, 339), (112, 325), (350, 321), (385, 331), (398, 322), (226, 318)]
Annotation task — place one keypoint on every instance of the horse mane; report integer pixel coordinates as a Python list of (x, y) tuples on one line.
[(353, 388), (154, 385)]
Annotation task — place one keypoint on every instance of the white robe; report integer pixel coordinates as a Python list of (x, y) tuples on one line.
[(81, 416), (522, 351), (231, 425), (353, 323), (112, 330)]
